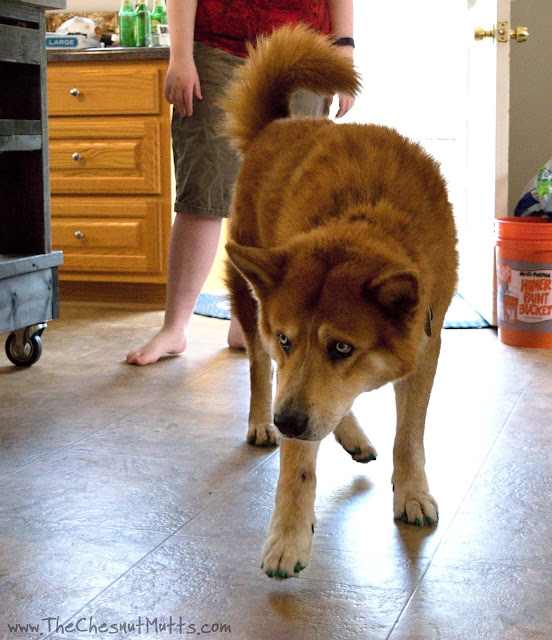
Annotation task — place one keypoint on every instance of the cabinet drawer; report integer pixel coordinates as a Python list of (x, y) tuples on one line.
[(111, 156), (107, 235), (121, 90)]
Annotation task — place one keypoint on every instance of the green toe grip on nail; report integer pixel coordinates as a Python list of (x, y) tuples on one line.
[(430, 520), (372, 457), (419, 522), (270, 573), (283, 574), (404, 518), (358, 450), (298, 568)]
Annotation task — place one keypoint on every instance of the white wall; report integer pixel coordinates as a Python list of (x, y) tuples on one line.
[(530, 94), (92, 5), (412, 59)]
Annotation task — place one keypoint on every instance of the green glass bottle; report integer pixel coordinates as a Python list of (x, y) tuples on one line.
[(143, 25), (158, 16), (127, 25)]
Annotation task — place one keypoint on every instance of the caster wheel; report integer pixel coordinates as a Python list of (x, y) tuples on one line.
[(26, 356)]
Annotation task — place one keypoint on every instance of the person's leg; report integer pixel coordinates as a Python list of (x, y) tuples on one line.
[(192, 250), (205, 170), (235, 334)]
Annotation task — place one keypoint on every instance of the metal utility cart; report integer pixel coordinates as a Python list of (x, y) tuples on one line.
[(29, 290)]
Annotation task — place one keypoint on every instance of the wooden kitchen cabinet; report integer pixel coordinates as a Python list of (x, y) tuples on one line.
[(110, 170), (124, 239), (116, 89), (119, 156)]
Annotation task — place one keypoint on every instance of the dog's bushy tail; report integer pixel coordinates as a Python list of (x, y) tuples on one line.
[(293, 57)]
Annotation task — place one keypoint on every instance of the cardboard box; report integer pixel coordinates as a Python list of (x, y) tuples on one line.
[(69, 41)]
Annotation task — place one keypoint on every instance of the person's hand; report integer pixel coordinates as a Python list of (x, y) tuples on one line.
[(182, 86), (346, 101)]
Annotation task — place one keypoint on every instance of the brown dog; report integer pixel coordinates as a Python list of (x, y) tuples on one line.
[(343, 263)]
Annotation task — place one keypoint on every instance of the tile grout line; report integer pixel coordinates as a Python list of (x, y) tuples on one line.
[(160, 544), (222, 495), (463, 500), (105, 426)]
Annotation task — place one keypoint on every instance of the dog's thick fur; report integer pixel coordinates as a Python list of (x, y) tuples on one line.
[(343, 263)]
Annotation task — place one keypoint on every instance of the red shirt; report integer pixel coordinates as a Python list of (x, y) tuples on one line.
[(229, 24)]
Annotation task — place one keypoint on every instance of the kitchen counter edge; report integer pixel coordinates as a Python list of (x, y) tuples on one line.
[(108, 54)]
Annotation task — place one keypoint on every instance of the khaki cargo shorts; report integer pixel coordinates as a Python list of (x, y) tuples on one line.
[(205, 164)]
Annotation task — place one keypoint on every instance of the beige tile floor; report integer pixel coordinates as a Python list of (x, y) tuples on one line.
[(128, 494)]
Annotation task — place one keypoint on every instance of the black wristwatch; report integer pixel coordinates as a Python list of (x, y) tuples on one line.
[(345, 42)]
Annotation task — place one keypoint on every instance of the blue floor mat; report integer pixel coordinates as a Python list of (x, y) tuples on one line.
[(460, 315), (213, 305)]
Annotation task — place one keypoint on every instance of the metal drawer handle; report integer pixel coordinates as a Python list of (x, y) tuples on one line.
[(76, 157), (75, 92), (79, 235)]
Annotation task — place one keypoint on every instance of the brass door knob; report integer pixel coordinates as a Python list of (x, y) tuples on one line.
[(481, 34), (79, 235), (502, 33), (519, 34), (74, 92), (76, 157)]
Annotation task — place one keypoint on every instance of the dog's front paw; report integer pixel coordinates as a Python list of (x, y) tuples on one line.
[(263, 435), (414, 504), (353, 439), (358, 447), (287, 550)]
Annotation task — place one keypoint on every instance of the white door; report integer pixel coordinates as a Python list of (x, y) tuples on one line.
[(487, 110), (425, 74)]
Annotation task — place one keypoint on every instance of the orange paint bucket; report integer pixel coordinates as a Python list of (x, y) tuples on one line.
[(524, 274)]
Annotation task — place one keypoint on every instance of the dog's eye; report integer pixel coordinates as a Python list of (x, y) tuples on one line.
[(284, 342), (339, 350)]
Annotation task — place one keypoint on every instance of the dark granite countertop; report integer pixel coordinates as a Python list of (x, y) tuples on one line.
[(43, 4), (108, 54)]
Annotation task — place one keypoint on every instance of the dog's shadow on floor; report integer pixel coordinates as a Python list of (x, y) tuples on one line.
[(338, 506), (359, 485), (346, 494), (415, 541), (351, 504)]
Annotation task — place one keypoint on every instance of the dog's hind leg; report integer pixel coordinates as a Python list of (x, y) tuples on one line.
[(352, 438), (412, 501), (261, 430), (288, 544)]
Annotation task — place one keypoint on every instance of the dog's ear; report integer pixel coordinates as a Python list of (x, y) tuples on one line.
[(264, 269), (397, 293)]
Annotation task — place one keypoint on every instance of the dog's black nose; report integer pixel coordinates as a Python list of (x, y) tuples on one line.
[(291, 423)]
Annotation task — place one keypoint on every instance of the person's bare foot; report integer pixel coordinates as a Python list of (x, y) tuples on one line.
[(165, 342), (235, 335)]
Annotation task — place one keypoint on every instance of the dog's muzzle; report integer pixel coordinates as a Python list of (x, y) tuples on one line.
[(292, 424)]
